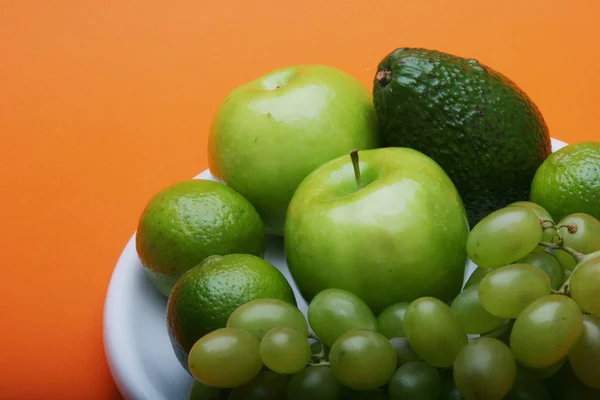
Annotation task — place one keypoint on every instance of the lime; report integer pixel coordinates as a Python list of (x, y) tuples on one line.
[(191, 220), (204, 297), (568, 181)]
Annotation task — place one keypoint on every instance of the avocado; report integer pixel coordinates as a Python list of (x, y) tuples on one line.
[(477, 124)]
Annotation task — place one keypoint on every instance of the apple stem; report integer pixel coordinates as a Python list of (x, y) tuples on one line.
[(356, 165)]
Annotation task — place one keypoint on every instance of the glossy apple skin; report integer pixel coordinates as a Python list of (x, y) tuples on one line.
[(270, 133), (402, 236)]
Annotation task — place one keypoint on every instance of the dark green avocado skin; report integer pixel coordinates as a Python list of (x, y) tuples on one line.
[(482, 129)]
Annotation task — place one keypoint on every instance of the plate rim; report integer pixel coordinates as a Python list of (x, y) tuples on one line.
[(122, 371)]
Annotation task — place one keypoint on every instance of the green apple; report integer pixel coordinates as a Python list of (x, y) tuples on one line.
[(389, 228), (270, 133)]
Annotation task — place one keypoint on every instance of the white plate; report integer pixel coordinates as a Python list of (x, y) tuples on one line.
[(136, 342)]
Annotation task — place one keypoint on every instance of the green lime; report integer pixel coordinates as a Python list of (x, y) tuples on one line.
[(568, 181), (191, 220), (204, 297)]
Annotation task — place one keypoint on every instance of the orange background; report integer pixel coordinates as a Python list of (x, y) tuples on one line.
[(102, 103)]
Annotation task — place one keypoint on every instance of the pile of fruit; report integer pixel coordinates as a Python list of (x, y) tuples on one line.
[(378, 201)]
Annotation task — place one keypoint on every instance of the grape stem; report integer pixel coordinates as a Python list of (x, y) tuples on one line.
[(319, 363), (558, 246), (317, 359), (547, 224), (580, 258)]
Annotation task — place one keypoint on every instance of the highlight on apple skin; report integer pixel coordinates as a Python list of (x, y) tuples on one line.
[(270, 133), (396, 234)]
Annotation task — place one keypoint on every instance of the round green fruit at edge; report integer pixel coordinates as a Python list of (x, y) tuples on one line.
[(190, 220), (568, 181), (206, 295), (398, 237), (268, 134)]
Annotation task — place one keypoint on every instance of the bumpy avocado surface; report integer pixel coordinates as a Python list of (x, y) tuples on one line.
[(482, 129)]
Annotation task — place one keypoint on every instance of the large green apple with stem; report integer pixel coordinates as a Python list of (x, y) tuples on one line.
[(270, 133), (390, 227)]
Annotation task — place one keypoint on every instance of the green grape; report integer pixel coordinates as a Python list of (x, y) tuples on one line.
[(225, 358), (542, 214), (375, 394), (267, 385), (566, 386), (546, 330), (585, 286), (333, 312), (506, 291), (449, 391), (285, 350), (548, 263), (485, 369), (585, 355), (476, 276), (504, 236), (546, 372), (566, 260), (471, 314), (415, 380), (390, 323), (362, 360), (261, 315), (433, 331), (404, 351), (200, 391), (584, 239), (527, 386), (314, 383), (504, 335)]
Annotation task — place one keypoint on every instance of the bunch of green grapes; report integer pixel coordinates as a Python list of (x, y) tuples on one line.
[(264, 341), (525, 326), (537, 292), (266, 352)]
